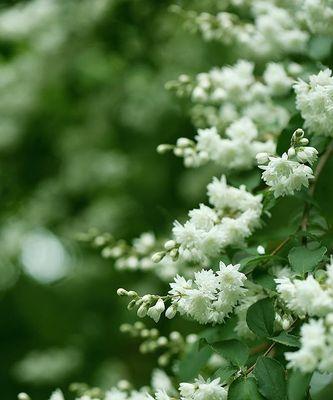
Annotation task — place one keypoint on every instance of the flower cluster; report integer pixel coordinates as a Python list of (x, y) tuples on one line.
[(319, 16), (308, 297), (211, 296), (316, 352), (199, 390), (234, 214), (288, 173), (274, 32), (224, 95), (315, 102), (236, 151)]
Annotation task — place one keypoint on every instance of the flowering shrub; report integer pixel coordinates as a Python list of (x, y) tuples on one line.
[(262, 290)]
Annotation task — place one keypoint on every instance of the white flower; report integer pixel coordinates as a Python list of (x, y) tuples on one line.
[(203, 390), (285, 176), (306, 154), (277, 79), (313, 346), (211, 296), (57, 395), (315, 102), (156, 311), (305, 297)]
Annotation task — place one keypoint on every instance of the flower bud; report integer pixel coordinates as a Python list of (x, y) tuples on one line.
[(122, 292), (23, 396), (162, 341), (184, 142), (171, 312), (142, 311), (304, 141), (262, 158), (170, 244), (157, 257), (164, 148), (131, 305), (156, 311)]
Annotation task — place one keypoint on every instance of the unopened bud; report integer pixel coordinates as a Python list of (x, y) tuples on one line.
[(170, 244), (164, 148), (157, 257), (23, 396), (131, 305), (142, 311), (171, 312), (184, 142), (122, 292), (304, 141)]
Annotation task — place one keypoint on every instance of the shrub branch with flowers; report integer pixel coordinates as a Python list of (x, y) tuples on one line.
[(262, 299)]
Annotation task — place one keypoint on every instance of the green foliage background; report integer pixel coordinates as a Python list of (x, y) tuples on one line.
[(80, 119)]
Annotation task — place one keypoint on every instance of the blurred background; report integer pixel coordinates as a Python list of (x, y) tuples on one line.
[(82, 109)]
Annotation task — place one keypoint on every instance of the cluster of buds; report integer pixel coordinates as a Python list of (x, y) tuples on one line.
[(212, 27), (171, 249), (170, 346), (134, 256), (186, 149), (182, 86), (149, 305), (300, 149)]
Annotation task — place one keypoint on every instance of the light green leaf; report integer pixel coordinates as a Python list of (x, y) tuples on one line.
[(287, 339), (260, 318), (305, 259)]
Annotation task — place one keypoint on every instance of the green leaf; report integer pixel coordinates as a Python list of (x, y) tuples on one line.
[(321, 386), (287, 339), (224, 373), (233, 350), (320, 47), (225, 331), (248, 264), (190, 366), (265, 280), (271, 378), (260, 318), (305, 259), (298, 385), (244, 389)]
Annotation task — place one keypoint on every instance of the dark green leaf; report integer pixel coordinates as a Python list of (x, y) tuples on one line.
[(260, 318), (305, 259), (265, 280), (233, 350), (244, 389), (286, 339), (190, 366), (225, 331), (248, 264), (271, 378), (298, 385)]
